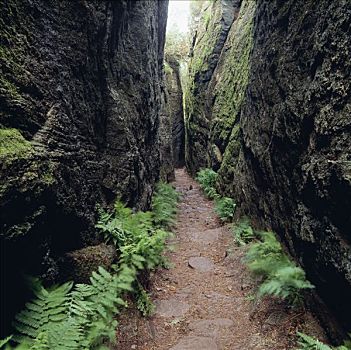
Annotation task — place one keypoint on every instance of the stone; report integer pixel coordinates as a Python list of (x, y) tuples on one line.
[(79, 264), (171, 307), (195, 343), (207, 236), (201, 264), (206, 327)]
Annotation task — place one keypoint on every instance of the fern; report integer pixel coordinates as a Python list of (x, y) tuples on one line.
[(225, 208), (43, 313), (243, 232), (164, 206), (143, 301), (281, 277), (5, 341), (266, 256), (83, 317), (207, 179), (309, 343), (286, 283)]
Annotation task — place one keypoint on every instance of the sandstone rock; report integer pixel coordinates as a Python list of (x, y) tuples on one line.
[(201, 264), (171, 307), (207, 236), (277, 107), (195, 343), (207, 327), (79, 264), (80, 98)]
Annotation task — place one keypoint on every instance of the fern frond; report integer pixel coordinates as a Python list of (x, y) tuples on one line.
[(207, 179), (309, 343), (282, 278), (42, 313), (5, 341), (225, 208), (243, 232)]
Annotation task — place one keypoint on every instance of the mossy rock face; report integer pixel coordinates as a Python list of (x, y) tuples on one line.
[(292, 169), (13, 146), (278, 108), (80, 87), (218, 78), (211, 35), (79, 264)]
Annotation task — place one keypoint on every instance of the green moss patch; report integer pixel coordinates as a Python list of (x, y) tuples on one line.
[(13, 144)]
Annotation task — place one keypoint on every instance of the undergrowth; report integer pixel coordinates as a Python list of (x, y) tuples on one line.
[(243, 232), (225, 208), (281, 277), (309, 343), (82, 316), (164, 205), (143, 301), (207, 179)]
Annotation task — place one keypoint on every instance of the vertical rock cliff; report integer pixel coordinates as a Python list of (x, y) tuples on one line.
[(175, 105), (275, 123), (80, 97), (208, 42)]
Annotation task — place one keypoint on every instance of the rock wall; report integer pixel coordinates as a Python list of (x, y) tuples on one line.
[(165, 138), (280, 134), (80, 99), (208, 42), (175, 105)]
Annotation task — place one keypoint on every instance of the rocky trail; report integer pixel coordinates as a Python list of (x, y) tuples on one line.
[(204, 301)]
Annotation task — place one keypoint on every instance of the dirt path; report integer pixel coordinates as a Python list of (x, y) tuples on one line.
[(203, 300)]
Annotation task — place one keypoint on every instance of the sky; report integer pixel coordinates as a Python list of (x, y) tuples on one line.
[(178, 14)]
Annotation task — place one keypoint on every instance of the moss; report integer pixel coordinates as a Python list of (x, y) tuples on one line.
[(24, 170), (13, 144), (231, 88)]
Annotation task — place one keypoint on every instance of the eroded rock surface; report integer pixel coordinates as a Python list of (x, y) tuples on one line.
[(275, 123), (80, 90)]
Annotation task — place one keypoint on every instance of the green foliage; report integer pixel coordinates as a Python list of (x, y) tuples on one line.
[(225, 208), (83, 316), (243, 232), (207, 179), (164, 205), (143, 301), (5, 341), (80, 318), (122, 227), (309, 343), (282, 278)]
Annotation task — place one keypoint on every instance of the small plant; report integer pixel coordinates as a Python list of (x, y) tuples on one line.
[(164, 205), (282, 278), (82, 317), (68, 317), (143, 301), (243, 232), (225, 208), (309, 343), (207, 179)]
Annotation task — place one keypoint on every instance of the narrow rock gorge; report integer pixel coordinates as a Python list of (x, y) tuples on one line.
[(268, 106), (96, 116)]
